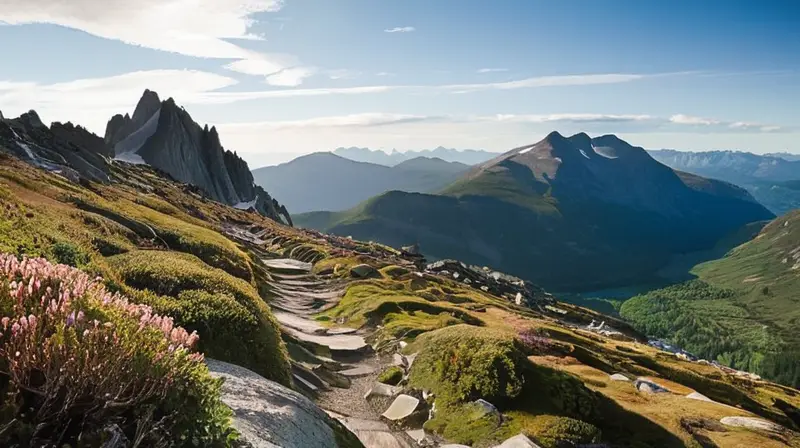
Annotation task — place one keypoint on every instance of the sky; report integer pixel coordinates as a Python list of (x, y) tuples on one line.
[(284, 78)]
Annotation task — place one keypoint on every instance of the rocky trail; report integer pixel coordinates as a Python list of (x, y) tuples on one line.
[(333, 365)]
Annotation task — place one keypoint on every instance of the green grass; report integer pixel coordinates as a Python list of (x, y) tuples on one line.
[(391, 376), (235, 322)]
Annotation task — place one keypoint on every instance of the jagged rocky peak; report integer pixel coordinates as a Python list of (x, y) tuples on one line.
[(164, 135), (1, 115), (31, 120)]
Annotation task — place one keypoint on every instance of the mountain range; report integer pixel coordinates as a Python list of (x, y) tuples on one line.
[(567, 213), (465, 156), (326, 181), (770, 178)]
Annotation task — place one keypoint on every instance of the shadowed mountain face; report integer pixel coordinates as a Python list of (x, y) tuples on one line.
[(769, 178), (65, 148), (324, 181), (569, 213), (163, 135)]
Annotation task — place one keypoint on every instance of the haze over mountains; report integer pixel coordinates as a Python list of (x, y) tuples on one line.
[(465, 156), (772, 179), (325, 181), (569, 212)]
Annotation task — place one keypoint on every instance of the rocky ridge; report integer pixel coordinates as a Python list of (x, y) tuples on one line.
[(163, 135)]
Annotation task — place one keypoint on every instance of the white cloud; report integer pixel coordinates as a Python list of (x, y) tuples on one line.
[(290, 77), (690, 120), (384, 74), (199, 28), (343, 74), (574, 118), (91, 102), (492, 70), (338, 121), (401, 29), (550, 81)]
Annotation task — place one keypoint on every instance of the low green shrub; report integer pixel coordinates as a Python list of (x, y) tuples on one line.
[(464, 363), (391, 376), (237, 325), (76, 361), (552, 431), (69, 254)]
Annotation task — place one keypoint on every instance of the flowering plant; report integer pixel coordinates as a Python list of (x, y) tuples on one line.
[(78, 363)]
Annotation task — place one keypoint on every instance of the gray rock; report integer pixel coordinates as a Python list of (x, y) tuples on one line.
[(453, 445), (399, 360), (648, 386), (363, 271), (382, 390), (417, 435), (753, 423), (700, 397), (518, 441), (358, 371), (618, 377), (402, 407), (268, 415), (410, 359), (114, 437), (487, 407)]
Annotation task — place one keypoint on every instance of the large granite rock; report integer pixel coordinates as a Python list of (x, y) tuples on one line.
[(268, 415)]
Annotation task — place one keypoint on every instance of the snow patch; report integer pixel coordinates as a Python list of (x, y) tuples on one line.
[(131, 157), (525, 150), (247, 205), (27, 150), (134, 142), (583, 153), (603, 152)]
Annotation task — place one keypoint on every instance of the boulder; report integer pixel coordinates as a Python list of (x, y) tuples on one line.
[(402, 407), (486, 407), (752, 423), (700, 397), (382, 390), (363, 271), (618, 377), (518, 441), (650, 387), (268, 415)]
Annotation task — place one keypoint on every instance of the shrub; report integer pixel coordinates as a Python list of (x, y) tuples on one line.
[(552, 432), (391, 376), (462, 363), (536, 341), (69, 254), (237, 326), (77, 361)]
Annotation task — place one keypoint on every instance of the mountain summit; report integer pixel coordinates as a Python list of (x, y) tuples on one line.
[(163, 135), (569, 213)]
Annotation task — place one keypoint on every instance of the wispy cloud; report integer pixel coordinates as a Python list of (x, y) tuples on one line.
[(343, 74), (690, 120), (712, 124), (401, 29), (352, 120), (199, 28), (491, 70)]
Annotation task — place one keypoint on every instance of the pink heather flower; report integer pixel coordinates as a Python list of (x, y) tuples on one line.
[(5, 322), (71, 319)]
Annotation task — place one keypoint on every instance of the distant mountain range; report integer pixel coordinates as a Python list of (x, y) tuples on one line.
[(465, 156), (325, 181), (571, 213), (784, 155), (768, 177)]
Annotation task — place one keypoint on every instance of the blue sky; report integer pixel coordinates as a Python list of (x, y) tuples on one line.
[(284, 78)]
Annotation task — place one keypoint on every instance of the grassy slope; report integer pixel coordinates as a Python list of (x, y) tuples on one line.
[(749, 297), (111, 231), (468, 349)]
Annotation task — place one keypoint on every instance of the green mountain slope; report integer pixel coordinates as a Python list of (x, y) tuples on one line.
[(743, 309), (568, 213)]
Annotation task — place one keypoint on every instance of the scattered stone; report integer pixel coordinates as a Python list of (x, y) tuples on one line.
[(340, 331), (410, 359), (700, 397), (287, 264), (399, 360), (402, 344), (402, 407), (363, 271), (518, 441), (382, 390), (650, 387), (753, 423), (618, 377), (486, 407), (267, 414), (418, 435), (358, 371)]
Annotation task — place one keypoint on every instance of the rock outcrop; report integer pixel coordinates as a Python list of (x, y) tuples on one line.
[(163, 135), (68, 149), (269, 415)]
